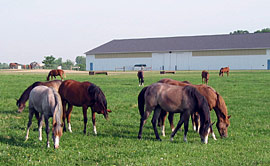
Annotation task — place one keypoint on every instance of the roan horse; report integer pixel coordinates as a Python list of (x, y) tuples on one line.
[(205, 76), (224, 70), (54, 73), (82, 94), (47, 102), (214, 99), (25, 95), (176, 99), (140, 77)]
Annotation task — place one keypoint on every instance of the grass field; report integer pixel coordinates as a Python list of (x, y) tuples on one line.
[(246, 93)]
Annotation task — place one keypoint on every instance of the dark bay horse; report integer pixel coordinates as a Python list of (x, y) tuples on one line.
[(224, 70), (82, 94), (214, 99), (54, 73), (140, 77), (25, 95), (47, 102), (205, 76), (176, 99)]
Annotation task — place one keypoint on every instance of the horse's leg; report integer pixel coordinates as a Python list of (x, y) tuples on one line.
[(68, 116), (85, 118), (212, 132), (154, 121), (64, 103), (40, 127), (180, 122), (47, 130), (170, 118), (161, 121), (31, 113), (143, 120), (186, 120), (193, 121), (94, 122)]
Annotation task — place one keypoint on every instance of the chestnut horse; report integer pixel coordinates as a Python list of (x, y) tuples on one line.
[(140, 77), (224, 70), (214, 99), (54, 73), (205, 76), (82, 94), (25, 95), (176, 99)]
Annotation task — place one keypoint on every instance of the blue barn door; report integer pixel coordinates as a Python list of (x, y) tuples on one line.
[(91, 66), (268, 64)]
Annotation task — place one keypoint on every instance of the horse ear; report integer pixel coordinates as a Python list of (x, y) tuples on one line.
[(229, 116)]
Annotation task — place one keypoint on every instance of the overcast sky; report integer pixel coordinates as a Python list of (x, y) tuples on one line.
[(32, 29)]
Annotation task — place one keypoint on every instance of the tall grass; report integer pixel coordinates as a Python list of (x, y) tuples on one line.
[(246, 93)]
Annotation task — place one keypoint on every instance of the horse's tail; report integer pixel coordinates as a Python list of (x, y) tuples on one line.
[(141, 101), (48, 77), (58, 109)]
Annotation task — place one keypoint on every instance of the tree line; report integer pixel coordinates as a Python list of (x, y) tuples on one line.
[(264, 30), (51, 62)]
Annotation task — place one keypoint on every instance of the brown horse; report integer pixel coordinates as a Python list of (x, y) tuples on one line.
[(176, 99), (54, 73), (13, 65), (82, 94), (224, 70), (140, 77), (214, 99), (25, 95), (205, 76)]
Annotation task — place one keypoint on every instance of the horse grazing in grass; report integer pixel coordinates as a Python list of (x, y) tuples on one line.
[(25, 95), (82, 94), (140, 77), (214, 99), (54, 73), (224, 70), (47, 102), (205, 76), (176, 99)]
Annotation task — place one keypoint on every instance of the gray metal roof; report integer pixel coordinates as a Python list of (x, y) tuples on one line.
[(185, 43)]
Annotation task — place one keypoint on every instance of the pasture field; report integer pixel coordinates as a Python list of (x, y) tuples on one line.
[(246, 93)]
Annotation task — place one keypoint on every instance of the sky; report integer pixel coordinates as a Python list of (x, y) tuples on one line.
[(33, 29)]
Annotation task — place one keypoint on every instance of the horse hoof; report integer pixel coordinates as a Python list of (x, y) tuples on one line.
[(171, 139), (139, 137)]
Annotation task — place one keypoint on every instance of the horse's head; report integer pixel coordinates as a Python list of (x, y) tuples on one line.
[(205, 131), (223, 128), (20, 106), (57, 130)]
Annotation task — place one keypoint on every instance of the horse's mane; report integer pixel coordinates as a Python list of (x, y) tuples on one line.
[(25, 95), (96, 93)]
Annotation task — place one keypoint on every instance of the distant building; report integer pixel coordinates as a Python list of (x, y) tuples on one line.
[(210, 52)]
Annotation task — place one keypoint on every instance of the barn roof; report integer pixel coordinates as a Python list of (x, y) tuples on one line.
[(185, 43)]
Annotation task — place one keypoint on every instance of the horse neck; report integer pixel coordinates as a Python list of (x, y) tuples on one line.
[(221, 109), (48, 77), (25, 95)]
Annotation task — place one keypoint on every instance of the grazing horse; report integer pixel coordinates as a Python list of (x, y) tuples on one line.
[(224, 70), (47, 102), (140, 77), (214, 99), (176, 99), (25, 95), (205, 76), (54, 73), (82, 94), (13, 65)]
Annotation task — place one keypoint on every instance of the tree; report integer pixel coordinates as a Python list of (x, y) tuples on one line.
[(4, 66), (239, 32), (265, 30), (67, 65), (49, 61), (81, 62)]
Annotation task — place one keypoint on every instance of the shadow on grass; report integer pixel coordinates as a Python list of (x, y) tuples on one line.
[(20, 142)]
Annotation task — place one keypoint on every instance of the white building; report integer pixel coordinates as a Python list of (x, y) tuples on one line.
[(211, 52)]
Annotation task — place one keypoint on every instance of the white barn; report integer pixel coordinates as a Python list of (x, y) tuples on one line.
[(210, 52)]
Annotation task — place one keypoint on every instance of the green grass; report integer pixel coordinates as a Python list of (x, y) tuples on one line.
[(246, 93)]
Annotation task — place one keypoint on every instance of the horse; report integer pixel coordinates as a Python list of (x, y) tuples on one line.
[(47, 102), (176, 99), (205, 76), (82, 94), (140, 77), (13, 65), (25, 95), (214, 99), (54, 73), (224, 70)]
